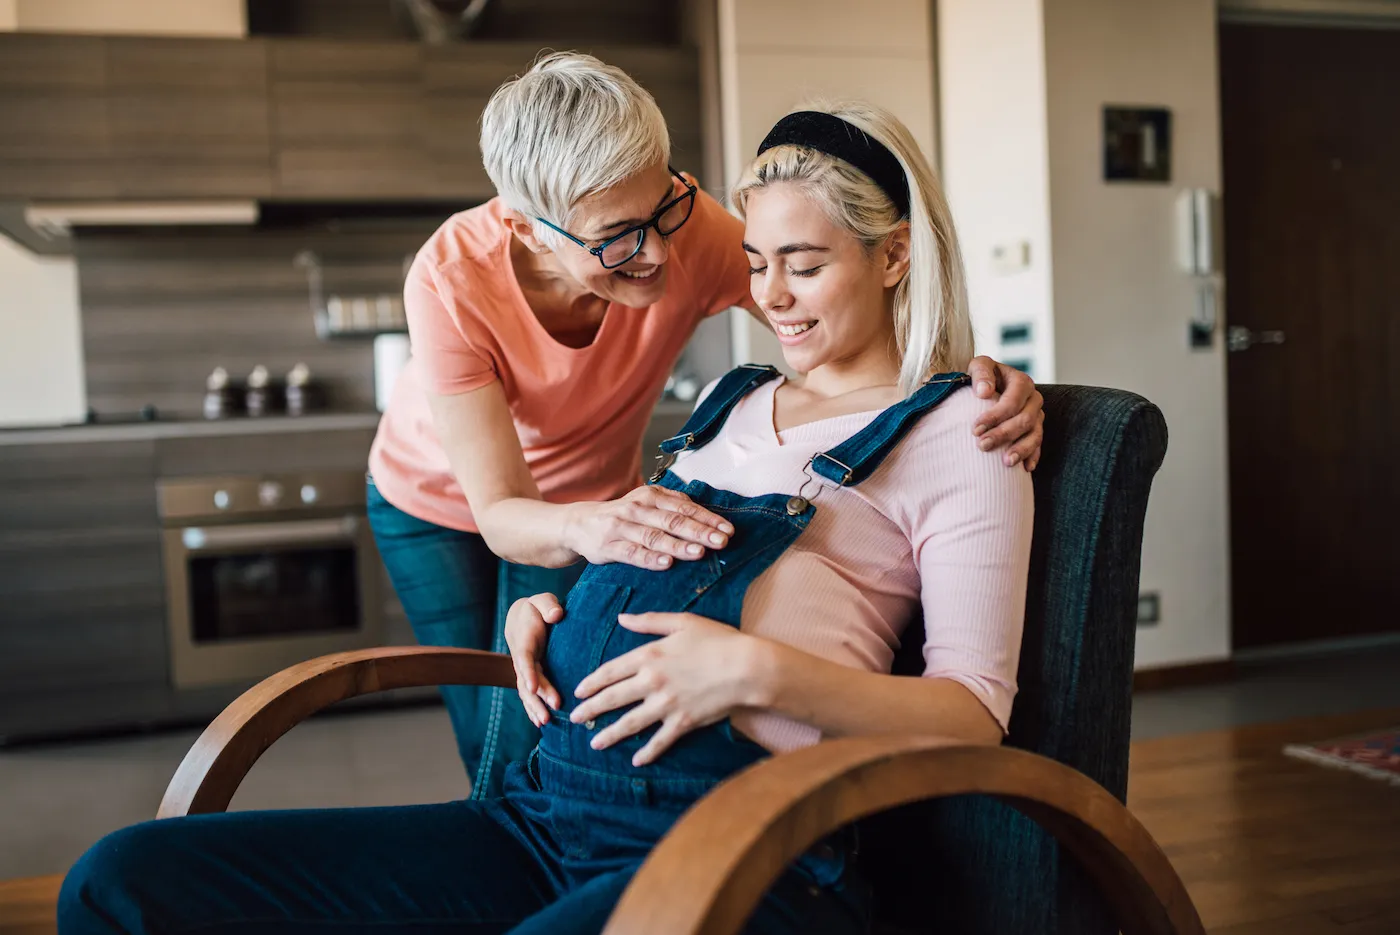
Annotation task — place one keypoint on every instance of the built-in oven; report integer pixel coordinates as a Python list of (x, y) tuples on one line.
[(263, 572)]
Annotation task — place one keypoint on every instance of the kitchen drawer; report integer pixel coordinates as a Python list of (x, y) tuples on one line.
[(343, 450)]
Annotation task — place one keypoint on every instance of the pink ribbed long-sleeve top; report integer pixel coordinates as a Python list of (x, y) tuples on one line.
[(941, 525)]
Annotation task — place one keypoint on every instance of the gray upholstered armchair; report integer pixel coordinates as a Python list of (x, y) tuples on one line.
[(1031, 837)]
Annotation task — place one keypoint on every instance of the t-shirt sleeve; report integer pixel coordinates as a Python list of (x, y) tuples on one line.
[(447, 360), (713, 255), (971, 540)]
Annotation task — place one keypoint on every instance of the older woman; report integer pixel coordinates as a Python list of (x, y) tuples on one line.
[(544, 325)]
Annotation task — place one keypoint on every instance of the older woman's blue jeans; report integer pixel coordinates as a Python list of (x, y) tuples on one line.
[(455, 592)]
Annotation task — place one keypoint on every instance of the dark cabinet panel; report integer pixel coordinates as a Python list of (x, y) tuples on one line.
[(88, 117), (189, 118), (291, 119), (74, 63), (54, 131), (82, 602), (672, 75), (53, 123), (346, 450), (346, 120), (335, 62), (401, 120), (457, 83), (27, 464)]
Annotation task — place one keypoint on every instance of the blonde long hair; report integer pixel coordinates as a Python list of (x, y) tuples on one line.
[(933, 327)]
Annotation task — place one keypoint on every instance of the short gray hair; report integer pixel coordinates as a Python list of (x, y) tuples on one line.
[(568, 127)]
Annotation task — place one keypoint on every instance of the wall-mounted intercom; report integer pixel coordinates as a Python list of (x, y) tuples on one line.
[(1196, 240), (1198, 255)]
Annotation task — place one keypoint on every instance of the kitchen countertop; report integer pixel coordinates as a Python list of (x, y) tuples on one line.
[(236, 425), (191, 428)]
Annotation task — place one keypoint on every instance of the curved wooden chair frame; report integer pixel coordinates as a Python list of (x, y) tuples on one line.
[(709, 873)]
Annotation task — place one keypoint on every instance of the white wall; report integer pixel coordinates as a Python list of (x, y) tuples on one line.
[(132, 17), (1121, 307), (776, 55), (995, 166), (41, 348)]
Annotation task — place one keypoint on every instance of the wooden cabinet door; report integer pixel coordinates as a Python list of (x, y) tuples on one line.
[(188, 118), (457, 82), (80, 571), (54, 131), (346, 121), (290, 119), (672, 76)]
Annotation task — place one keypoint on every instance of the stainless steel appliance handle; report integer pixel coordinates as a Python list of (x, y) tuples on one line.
[(206, 538)]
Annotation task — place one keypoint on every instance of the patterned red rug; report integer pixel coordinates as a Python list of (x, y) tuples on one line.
[(1375, 754)]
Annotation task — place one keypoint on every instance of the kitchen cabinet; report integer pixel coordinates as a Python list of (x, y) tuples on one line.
[(457, 83), (283, 119), (188, 118), (393, 120), (82, 605), (83, 631), (672, 76), (54, 131), (109, 118), (347, 121)]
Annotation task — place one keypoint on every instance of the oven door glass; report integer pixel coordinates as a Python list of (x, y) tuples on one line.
[(284, 592)]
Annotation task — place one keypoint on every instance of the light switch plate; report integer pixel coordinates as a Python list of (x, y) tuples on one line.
[(1011, 257), (1149, 609)]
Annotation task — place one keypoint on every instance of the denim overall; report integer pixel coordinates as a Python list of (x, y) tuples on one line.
[(587, 812)]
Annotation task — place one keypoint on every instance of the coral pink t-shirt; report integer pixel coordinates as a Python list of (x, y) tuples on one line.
[(580, 412)]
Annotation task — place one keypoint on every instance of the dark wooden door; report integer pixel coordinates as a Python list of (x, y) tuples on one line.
[(1311, 126)]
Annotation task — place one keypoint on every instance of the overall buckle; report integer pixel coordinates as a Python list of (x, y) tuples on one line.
[(846, 470)]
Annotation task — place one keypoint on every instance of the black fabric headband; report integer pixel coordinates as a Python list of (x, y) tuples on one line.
[(827, 133)]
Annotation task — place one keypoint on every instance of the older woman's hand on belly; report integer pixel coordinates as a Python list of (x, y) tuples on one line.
[(692, 677), (649, 527)]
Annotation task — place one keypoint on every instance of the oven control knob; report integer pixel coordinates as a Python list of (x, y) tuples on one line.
[(221, 499), (309, 493), (269, 493)]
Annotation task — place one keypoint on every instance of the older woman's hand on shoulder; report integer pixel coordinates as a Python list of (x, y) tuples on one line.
[(1017, 421)]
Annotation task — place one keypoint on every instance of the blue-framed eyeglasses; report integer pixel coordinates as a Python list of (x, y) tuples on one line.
[(615, 251)]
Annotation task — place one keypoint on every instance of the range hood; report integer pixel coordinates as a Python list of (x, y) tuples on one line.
[(57, 219), (46, 227)]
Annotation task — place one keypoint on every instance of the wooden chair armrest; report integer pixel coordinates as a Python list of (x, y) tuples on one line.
[(709, 873), (210, 773)]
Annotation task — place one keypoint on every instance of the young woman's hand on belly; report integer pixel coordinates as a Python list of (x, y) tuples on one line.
[(527, 632), (695, 675), (649, 527), (702, 671)]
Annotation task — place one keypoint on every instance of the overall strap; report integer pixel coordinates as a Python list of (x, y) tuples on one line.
[(707, 419), (857, 457)]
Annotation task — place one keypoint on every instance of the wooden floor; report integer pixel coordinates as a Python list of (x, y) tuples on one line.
[(1266, 845), (27, 906), (1269, 845)]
